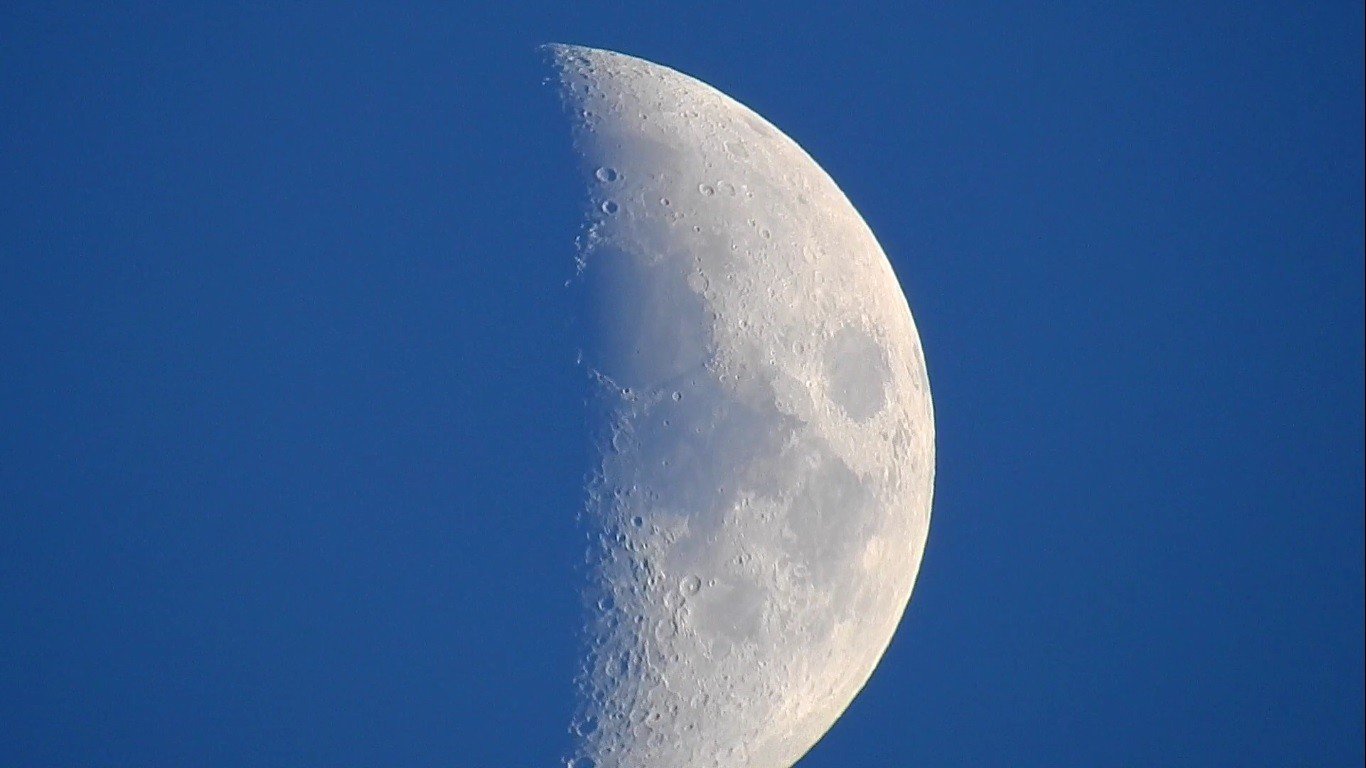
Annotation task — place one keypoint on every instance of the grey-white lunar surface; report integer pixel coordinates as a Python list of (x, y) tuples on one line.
[(767, 456)]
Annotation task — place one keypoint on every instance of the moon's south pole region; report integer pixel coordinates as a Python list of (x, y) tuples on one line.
[(761, 495)]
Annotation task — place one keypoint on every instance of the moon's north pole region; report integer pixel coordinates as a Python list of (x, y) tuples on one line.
[(762, 497)]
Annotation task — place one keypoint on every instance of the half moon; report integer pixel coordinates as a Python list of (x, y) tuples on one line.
[(762, 500)]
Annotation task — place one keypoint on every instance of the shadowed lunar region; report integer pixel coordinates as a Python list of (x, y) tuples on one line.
[(766, 463)]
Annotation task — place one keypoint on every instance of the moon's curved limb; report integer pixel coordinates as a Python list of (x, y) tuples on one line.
[(767, 463)]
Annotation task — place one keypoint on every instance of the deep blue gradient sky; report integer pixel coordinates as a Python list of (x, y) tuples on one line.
[(291, 438)]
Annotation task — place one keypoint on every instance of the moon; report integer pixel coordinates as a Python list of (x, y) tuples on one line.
[(761, 495)]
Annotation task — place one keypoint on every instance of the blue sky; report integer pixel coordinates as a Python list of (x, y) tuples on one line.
[(291, 438)]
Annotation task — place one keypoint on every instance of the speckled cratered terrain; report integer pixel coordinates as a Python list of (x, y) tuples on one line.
[(767, 446)]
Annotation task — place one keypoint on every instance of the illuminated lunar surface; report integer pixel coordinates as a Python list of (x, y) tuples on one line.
[(767, 445)]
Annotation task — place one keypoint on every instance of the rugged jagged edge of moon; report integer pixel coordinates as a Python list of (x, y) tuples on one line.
[(767, 458)]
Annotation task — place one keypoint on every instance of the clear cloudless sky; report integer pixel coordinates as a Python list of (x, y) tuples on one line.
[(292, 440)]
